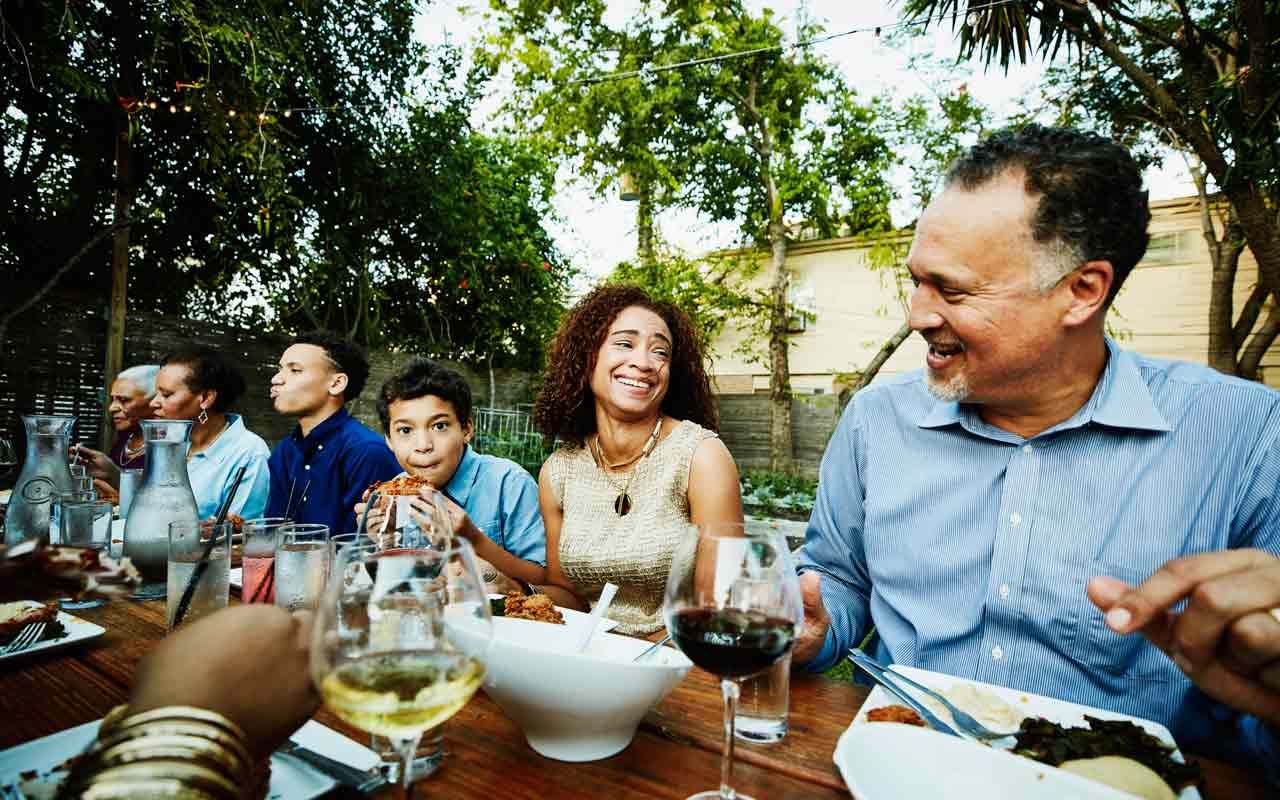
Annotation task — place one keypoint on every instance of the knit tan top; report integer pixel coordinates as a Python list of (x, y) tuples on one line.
[(634, 552)]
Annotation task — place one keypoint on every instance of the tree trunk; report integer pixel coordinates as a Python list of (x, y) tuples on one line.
[(493, 385), (119, 267), (644, 229)]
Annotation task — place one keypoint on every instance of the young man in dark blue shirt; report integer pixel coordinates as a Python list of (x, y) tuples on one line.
[(321, 469)]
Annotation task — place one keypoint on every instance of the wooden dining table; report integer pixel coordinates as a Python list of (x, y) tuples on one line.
[(675, 753)]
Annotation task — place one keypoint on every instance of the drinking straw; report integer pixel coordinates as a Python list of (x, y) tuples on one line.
[(203, 564), (364, 520)]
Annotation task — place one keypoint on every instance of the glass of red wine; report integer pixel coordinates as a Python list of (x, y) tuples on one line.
[(733, 606)]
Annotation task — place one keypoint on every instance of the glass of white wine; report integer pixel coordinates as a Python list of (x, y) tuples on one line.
[(401, 640)]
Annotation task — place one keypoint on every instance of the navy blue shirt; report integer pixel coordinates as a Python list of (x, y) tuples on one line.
[(320, 477)]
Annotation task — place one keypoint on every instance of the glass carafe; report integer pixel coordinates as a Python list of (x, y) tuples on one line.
[(164, 496), (44, 474)]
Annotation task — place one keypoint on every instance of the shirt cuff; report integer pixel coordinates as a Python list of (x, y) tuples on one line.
[(842, 604)]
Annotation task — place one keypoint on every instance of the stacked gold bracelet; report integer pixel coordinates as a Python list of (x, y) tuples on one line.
[(171, 752)]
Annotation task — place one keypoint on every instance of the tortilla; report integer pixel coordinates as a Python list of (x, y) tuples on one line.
[(1122, 773)]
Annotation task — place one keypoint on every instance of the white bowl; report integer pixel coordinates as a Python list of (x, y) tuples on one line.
[(571, 706)]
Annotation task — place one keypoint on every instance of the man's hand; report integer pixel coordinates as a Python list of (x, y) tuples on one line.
[(248, 663), (816, 620), (1226, 640)]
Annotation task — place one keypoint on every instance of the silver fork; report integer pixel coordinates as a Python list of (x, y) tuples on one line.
[(27, 637), (653, 648), (965, 722)]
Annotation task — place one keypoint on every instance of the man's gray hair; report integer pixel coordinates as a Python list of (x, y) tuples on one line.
[(143, 376)]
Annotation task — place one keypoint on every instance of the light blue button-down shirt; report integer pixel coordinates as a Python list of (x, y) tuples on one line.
[(501, 498), (213, 469), (968, 547)]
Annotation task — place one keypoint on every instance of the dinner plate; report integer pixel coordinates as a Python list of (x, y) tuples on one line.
[(77, 630), (865, 752), (43, 762), (572, 617)]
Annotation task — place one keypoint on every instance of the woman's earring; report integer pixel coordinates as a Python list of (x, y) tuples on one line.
[(203, 417)]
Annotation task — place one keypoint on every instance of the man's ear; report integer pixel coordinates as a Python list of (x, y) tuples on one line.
[(1089, 286), (338, 384), (468, 430)]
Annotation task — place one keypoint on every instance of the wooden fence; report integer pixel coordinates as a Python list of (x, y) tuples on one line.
[(744, 426)]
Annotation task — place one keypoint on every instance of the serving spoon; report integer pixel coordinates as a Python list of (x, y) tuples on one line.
[(602, 606)]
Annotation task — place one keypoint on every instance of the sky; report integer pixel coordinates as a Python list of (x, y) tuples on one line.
[(597, 233)]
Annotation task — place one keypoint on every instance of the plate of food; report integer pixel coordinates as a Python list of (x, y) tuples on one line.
[(36, 768), (60, 628), (1059, 744), (539, 608)]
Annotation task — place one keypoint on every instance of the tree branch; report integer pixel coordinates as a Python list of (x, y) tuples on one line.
[(1248, 316), (1139, 26), (39, 295), (1251, 358), (882, 355)]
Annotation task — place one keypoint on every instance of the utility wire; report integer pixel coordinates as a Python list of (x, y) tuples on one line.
[(650, 69)]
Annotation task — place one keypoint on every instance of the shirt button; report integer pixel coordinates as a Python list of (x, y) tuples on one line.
[(997, 653), (319, 447), (1026, 448), (1015, 519), (1004, 590), (308, 466)]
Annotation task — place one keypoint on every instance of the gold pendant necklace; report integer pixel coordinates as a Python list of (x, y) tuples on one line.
[(622, 503)]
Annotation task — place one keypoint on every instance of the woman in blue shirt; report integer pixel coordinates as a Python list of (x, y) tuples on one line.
[(200, 384)]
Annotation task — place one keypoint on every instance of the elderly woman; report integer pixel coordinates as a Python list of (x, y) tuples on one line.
[(131, 394), (200, 384), (626, 393)]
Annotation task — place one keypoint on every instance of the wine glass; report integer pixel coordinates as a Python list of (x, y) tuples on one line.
[(733, 606), (401, 640)]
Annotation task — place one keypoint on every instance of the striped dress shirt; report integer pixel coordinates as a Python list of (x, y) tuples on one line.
[(968, 547)]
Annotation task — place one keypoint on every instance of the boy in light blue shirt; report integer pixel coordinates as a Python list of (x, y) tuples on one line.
[(425, 410)]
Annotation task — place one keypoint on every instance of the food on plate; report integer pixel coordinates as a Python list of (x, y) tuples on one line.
[(1124, 774), (14, 617), (537, 607), (98, 575), (405, 485), (984, 706), (900, 714), (1053, 744)]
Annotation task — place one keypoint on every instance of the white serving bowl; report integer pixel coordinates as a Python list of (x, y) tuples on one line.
[(571, 706)]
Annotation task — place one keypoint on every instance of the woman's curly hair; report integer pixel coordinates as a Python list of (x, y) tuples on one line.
[(565, 407)]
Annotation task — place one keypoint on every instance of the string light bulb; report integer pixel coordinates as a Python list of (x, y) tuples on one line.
[(231, 112), (187, 108), (151, 104), (288, 112), (173, 109)]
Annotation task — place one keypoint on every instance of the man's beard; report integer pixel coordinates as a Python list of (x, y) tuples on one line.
[(953, 390)]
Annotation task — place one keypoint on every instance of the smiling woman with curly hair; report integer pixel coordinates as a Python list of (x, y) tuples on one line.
[(626, 393)]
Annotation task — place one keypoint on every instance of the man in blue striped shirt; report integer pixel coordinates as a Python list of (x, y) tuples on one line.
[(964, 509)]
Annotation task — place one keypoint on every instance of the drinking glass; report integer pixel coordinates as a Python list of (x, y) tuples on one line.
[(8, 455), (84, 522), (258, 555), (188, 544), (301, 564), (411, 521), (732, 605), (401, 639), (59, 499)]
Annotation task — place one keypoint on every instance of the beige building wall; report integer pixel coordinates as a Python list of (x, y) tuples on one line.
[(1162, 311)]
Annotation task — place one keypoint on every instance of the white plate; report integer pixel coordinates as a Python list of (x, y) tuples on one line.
[(572, 617), (872, 772), (291, 779), (78, 630), (235, 576)]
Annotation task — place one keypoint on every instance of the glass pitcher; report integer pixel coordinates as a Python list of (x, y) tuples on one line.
[(165, 496), (44, 474)]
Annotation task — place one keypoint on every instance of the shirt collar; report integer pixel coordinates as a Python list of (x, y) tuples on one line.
[(1121, 399), (226, 438), (464, 477), (323, 432)]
